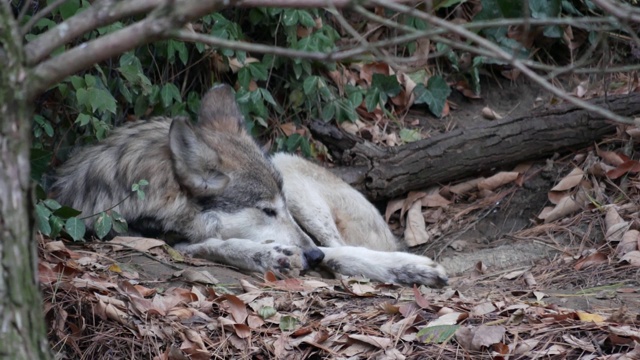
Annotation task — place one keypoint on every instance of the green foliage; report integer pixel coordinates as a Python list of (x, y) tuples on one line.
[(137, 188), (168, 78), (433, 95), (53, 218)]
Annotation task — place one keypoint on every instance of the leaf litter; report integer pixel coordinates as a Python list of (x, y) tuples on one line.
[(99, 307)]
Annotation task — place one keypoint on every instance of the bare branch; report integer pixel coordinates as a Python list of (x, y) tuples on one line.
[(620, 10), (498, 53), (155, 26), (102, 13), (190, 36), (105, 12), (42, 13)]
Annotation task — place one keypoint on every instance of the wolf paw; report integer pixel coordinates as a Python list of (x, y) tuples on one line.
[(420, 274), (282, 259)]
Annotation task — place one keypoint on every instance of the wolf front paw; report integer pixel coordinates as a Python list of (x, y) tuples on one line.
[(283, 260), (432, 275)]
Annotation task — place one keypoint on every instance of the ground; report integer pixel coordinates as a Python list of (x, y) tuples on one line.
[(519, 287)]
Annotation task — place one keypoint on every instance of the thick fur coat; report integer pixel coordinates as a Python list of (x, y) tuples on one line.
[(213, 193)]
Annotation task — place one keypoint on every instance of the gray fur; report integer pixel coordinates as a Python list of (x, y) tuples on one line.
[(213, 191)]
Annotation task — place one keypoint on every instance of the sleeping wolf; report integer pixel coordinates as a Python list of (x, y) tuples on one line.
[(214, 194)]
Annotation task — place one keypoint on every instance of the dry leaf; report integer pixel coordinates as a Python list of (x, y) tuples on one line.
[(199, 276), (570, 181), (487, 335), (585, 316), (565, 207), (377, 341), (497, 180), (483, 309), (465, 187), (610, 157), (629, 242), (632, 258), (137, 243), (237, 308), (489, 114), (392, 207), (596, 258), (415, 232)]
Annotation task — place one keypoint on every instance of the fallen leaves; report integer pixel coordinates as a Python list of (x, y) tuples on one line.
[(283, 318)]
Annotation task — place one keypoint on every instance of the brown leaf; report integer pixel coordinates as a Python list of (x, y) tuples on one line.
[(630, 166), (570, 181), (288, 128), (497, 180), (632, 257), (483, 309), (566, 206), (393, 206), (596, 258), (415, 232), (377, 341), (237, 308), (412, 197), (138, 243), (465, 187), (435, 200), (611, 157), (486, 336), (629, 242), (489, 114), (420, 299), (199, 276), (243, 331)]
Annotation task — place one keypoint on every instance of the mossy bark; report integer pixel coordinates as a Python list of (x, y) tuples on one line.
[(22, 329)]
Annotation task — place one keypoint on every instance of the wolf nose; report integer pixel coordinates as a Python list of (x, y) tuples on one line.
[(314, 256)]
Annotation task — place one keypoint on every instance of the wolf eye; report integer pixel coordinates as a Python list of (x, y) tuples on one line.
[(270, 212)]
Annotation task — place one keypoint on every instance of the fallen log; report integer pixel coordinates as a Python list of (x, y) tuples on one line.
[(382, 173)]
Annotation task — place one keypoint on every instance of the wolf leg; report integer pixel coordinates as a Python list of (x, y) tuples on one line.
[(390, 267), (249, 255)]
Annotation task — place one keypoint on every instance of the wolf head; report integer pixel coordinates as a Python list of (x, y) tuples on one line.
[(222, 168)]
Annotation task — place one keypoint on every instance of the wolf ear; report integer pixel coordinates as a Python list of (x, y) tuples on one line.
[(194, 163), (219, 110)]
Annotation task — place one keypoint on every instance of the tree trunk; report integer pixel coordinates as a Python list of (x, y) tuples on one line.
[(383, 173), (22, 330)]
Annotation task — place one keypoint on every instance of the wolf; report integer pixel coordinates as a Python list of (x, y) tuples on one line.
[(214, 193)]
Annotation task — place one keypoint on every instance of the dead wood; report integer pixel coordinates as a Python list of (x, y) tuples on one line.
[(382, 173)]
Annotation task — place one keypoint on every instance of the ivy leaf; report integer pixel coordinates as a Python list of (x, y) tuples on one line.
[(119, 223), (434, 94), (103, 225), (168, 93), (75, 228), (410, 135), (372, 99), (101, 99), (388, 84), (66, 212), (288, 323), (266, 312), (52, 204), (42, 219), (56, 225)]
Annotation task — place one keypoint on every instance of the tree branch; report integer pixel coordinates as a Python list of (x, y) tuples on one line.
[(620, 10), (102, 13), (503, 55), (155, 26)]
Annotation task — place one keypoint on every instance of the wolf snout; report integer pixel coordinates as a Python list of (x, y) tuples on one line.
[(313, 257)]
